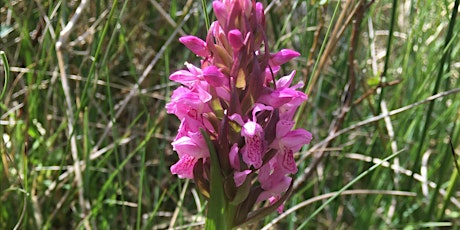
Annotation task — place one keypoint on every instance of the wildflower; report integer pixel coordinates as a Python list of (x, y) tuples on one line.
[(233, 99)]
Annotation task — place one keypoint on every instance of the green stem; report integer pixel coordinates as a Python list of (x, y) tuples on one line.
[(220, 213), (229, 215), (205, 12), (6, 68)]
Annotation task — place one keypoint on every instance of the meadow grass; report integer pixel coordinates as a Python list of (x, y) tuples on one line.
[(85, 139)]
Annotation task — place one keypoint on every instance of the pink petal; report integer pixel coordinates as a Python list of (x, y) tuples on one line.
[(220, 11), (213, 76), (296, 138), (273, 200), (234, 157), (264, 172), (236, 118), (246, 6), (236, 40), (283, 96), (270, 73), (203, 94), (186, 104), (240, 177), (285, 81), (250, 129), (260, 14), (259, 107), (283, 127), (253, 150), (282, 57), (184, 167), (193, 69), (196, 45), (276, 98), (288, 160), (276, 186), (193, 144), (184, 77)]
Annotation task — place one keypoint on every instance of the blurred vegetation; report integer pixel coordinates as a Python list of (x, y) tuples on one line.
[(102, 160)]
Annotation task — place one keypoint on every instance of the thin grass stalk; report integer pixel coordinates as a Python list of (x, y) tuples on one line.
[(388, 53), (331, 194), (153, 214), (178, 208), (112, 115), (134, 90), (6, 69), (109, 182), (86, 152), (140, 191), (452, 182), (359, 177), (205, 14), (69, 102), (442, 67), (23, 190), (439, 182), (96, 58), (312, 80)]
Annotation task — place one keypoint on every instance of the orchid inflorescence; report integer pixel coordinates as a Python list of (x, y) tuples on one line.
[(234, 100)]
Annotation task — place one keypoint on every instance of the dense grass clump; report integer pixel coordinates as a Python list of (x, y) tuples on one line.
[(85, 139)]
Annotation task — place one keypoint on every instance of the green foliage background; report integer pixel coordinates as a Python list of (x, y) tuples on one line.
[(117, 60)]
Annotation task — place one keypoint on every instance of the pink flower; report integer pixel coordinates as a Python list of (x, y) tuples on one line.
[(193, 145), (235, 99), (273, 180), (283, 94), (295, 139), (254, 148), (253, 134), (287, 142), (189, 107)]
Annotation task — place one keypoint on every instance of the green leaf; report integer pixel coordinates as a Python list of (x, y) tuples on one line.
[(216, 207)]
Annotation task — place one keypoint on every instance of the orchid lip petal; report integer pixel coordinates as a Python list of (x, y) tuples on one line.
[(184, 167), (253, 150)]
